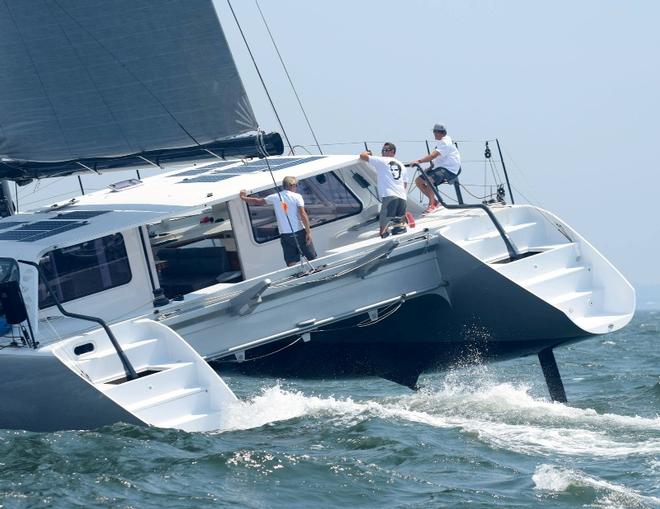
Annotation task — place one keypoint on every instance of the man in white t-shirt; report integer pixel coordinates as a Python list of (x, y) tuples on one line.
[(392, 183), (446, 165), (292, 220)]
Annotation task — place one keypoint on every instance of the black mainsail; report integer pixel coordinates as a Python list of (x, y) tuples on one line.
[(98, 83)]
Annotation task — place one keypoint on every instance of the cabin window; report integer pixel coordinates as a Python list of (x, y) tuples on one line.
[(195, 251), (326, 198), (86, 268)]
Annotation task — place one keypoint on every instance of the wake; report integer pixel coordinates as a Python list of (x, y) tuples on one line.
[(503, 415), (607, 494)]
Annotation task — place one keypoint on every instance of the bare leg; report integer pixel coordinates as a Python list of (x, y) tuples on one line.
[(426, 190)]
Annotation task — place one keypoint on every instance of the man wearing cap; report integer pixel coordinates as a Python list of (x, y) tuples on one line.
[(391, 179), (446, 165)]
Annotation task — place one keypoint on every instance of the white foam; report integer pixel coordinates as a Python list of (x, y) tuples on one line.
[(503, 416), (558, 479)]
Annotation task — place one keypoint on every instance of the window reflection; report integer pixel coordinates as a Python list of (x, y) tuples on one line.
[(326, 198), (86, 268)]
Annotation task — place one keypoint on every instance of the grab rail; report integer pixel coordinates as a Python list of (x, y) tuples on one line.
[(128, 368), (511, 248)]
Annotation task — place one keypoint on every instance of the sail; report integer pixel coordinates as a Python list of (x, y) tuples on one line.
[(85, 79)]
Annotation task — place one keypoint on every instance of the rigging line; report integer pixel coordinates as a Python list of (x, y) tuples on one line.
[(524, 176), (231, 361), (263, 83), (129, 72), (262, 148), (289, 78)]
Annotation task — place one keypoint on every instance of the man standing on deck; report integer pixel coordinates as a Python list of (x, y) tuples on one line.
[(292, 220), (446, 165), (392, 183)]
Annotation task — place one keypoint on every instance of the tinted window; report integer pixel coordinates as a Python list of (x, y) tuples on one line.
[(326, 198), (84, 269)]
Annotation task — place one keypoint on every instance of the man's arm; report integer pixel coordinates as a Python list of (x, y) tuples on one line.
[(251, 200), (427, 158), (304, 219), (365, 155)]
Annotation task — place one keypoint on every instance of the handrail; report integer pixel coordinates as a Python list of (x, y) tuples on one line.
[(128, 368), (511, 248)]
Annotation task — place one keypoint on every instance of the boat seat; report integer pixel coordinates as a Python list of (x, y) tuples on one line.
[(195, 260), (189, 269)]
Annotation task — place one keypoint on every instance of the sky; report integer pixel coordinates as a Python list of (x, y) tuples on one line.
[(571, 90)]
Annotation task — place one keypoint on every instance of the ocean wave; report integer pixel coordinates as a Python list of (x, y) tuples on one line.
[(605, 493), (503, 415)]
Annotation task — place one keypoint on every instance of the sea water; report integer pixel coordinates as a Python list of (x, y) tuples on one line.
[(472, 437)]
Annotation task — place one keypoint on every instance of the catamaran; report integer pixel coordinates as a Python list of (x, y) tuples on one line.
[(115, 300)]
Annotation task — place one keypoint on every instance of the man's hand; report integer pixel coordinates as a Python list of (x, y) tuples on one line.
[(243, 194), (308, 238)]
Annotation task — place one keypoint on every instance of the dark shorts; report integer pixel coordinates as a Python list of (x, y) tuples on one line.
[(290, 248), (442, 175), (390, 208)]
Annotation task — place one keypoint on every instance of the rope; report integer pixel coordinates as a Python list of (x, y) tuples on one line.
[(289, 78), (262, 149), (386, 314), (261, 356), (263, 83)]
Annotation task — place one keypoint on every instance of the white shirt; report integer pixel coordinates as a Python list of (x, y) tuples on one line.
[(391, 176), (287, 207), (449, 157)]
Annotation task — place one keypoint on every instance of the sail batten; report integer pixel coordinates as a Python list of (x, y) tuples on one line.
[(98, 79)]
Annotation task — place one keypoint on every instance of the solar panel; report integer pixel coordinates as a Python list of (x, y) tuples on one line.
[(81, 214), (44, 234), (241, 168), (208, 178), (194, 171), (274, 164), (9, 224), (198, 171), (45, 225), (40, 230), (220, 164), (252, 166), (17, 234), (281, 163)]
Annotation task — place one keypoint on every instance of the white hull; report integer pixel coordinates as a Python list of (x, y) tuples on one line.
[(80, 383), (446, 291)]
